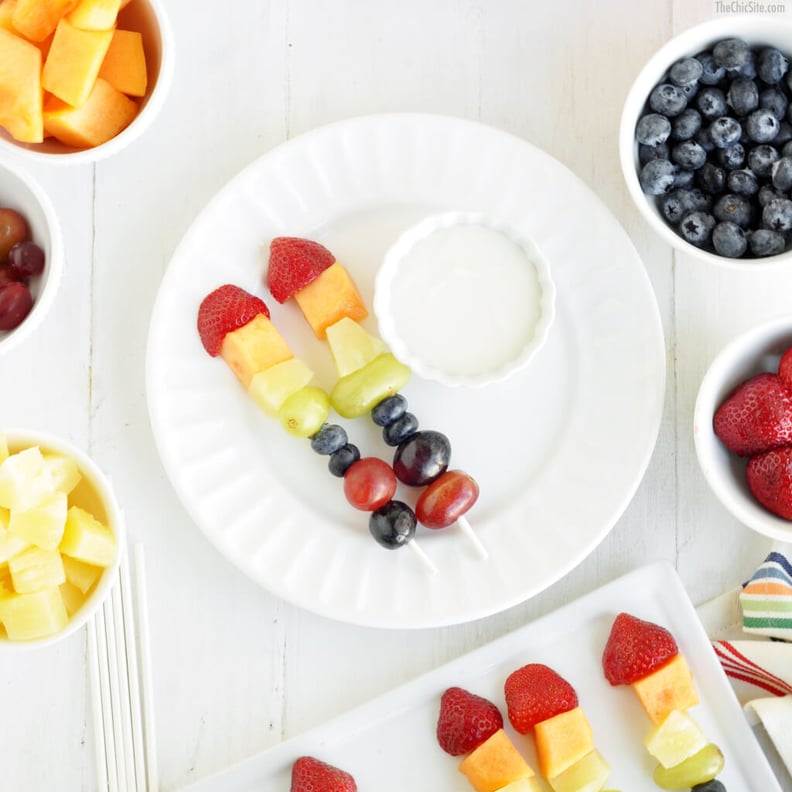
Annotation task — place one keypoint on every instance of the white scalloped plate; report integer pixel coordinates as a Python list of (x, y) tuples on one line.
[(558, 450)]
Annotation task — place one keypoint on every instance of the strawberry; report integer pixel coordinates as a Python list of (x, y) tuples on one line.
[(465, 721), (785, 368), (535, 693), (769, 478), (293, 264), (635, 648), (756, 417), (312, 775), (223, 310)]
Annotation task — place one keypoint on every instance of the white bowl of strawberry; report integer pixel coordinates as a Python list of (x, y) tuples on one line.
[(742, 427)]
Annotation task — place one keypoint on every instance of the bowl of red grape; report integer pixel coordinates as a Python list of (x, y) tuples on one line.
[(31, 254)]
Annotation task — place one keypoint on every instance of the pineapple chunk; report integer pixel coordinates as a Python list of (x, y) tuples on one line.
[(10, 545), (588, 774), (3, 447), (81, 575), (73, 598), (29, 616), (6, 584), (24, 479), (352, 346), (35, 569), (271, 387), (43, 524), (64, 471), (88, 540), (675, 739)]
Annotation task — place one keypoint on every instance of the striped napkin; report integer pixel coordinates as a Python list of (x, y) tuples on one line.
[(766, 599)]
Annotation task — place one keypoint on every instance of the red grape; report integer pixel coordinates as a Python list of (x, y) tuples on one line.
[(26, 259), (7, 275), (446, 499), (15, 304), (369, 483), (13, 228)]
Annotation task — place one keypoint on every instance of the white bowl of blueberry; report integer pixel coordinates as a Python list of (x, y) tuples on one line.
[(706, 141)]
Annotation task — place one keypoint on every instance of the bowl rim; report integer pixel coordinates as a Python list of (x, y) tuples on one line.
[(420, 231), (759, 339), (28, 438), (690, 42)]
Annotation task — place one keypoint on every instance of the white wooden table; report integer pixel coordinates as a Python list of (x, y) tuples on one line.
[(235, 669)]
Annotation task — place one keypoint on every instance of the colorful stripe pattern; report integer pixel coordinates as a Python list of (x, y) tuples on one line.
[(766, 599), (738, 666)]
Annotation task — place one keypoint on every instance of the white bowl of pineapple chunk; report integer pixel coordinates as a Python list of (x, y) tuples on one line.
[(61, 539)]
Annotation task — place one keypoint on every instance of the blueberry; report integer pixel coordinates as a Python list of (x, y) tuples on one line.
[(775, 101), (777, 214), (657, 177), (688, 155), (709, 786), (784, 133), (696, 228), (652, 129), (704, 138), (667, 99), (771, 65), (786, 150), (389, 409), (729, 240), (767, 193), (712, 72), (342, 459), (725, 131), (711, 178), (743, 96), (329, 439), (393, 525), (399, 430), (731, 54), (764, 242), (679, 202), (690, 90), (686, 125), (648, 153), (761, 159), (685, 71), (711, 102), (734, 209), (684, 179), (781, 174), (731, 157), (742, 182), (762, 126)]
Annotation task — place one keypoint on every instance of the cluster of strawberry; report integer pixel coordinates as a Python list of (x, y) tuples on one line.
[(755, 422)]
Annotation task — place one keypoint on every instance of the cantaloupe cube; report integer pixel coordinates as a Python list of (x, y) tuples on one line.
[(73, 598), (562, 740), (24, 479), (271, 387), (29, 616), (20, 88), (330, 297), (495, 764), (254, 347), (80, 574), (106, 113), (6, 15), (73, 62), (667, 688), (88, 540), (63, 470), (124, 65), (36, 19), (43, 524), (588, 774), (94, 14), (35, 569)]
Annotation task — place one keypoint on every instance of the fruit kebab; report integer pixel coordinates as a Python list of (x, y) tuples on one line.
[(370, 378), (236, 325), (645, 656)]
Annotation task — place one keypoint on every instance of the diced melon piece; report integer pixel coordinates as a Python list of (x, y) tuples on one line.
[(94, 14), (6, 15), (63, 470), (562, 740), (73, 62), (495, 763), (254, 347), (88, 540), (24, 479), (667, 688), (675, 739), (36, 19), (20, 88), (124, 65), (330, 297), (73, 598), (352, 346), (588, 774), (43, 524), (29, 616), (271, 387), (80, 574), (105, 113), (35, 569), (523, 785)]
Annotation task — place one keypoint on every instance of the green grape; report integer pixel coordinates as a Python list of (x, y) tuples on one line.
[(304, 412), (697, 769), (357, 393)]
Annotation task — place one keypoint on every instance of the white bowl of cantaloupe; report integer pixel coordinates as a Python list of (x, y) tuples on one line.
[(61, 539), (81, 78)]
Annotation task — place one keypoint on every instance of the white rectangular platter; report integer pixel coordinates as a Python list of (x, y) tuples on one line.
[(389, 744)]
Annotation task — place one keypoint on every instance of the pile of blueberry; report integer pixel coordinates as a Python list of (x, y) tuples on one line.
[(715, 149)]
